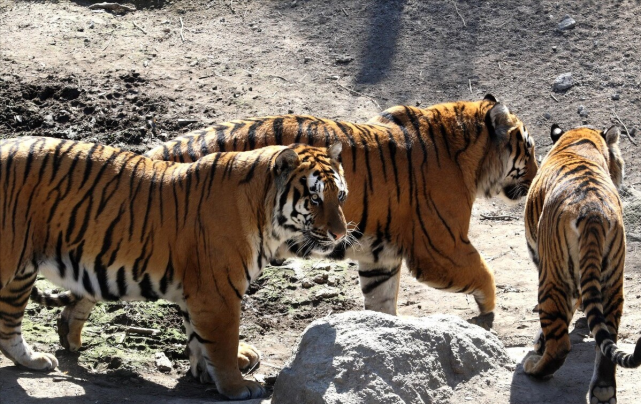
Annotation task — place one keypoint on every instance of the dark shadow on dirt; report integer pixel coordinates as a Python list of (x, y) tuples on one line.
[(571, 381), (98, 387), (380, 46)]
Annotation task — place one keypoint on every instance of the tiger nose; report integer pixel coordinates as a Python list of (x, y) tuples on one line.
[(336, 236)]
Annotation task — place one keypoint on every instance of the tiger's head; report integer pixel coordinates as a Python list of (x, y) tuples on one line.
[(510, 164), (616, 165), (311, 194)]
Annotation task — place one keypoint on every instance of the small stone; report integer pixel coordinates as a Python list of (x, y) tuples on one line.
[(344, 60), (321, 279), (615, 97), (547, 116), (582, 111), (554, 49), (163, 363), (307, 59), (332, 281), (567, 23), (326, 293), (307, 283), (563, 82)]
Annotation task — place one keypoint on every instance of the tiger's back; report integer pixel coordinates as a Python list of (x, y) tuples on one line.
[(576, 237)]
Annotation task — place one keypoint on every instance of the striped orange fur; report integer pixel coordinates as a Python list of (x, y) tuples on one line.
[(575, 235)]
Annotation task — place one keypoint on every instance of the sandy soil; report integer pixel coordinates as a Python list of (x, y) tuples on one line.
[(137, 79)]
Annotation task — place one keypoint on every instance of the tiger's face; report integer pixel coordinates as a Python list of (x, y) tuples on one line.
[(518, 164), (310, 205)]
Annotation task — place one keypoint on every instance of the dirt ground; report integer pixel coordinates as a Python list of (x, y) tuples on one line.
[(137, 79)]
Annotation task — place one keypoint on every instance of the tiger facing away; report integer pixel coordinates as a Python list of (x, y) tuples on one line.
[(110, 225), (575, 235)]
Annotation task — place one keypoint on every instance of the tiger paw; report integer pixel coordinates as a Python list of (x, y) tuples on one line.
[(69, 340), (248, 357), (530, 362), (603, 395), (485, 321), (40, 361), (243, 390)]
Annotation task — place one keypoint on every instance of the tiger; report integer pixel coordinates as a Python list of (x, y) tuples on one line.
[(107, 225), (576, 238), (414, 175)]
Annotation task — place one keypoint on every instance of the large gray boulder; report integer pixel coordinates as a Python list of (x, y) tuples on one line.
[(369, 357)]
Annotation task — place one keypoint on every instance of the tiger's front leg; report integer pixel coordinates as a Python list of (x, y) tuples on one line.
[(13, 300), (379, 284), (215, 354)]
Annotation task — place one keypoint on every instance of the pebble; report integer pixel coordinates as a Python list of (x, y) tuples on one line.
[(307, 283), (163, 363), (567, 23), (547, 116), (321, 279), (582, 111), (344, 60), (563, 82), (615, 97), (326, 293)]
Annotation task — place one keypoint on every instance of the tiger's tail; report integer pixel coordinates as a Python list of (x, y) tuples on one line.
[(592, 266), (50, 299)]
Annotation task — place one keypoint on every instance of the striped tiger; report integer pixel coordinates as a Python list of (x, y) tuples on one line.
[(109, 225), (575, 236), (413, 175)]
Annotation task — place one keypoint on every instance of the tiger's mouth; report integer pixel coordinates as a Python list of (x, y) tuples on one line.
[(311, 243), (514, 192)]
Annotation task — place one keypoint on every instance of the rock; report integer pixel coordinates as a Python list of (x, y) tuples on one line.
[(370, 357), (567, 23), (344, 60), (547, 116), (616, 97), (563, 82), (163, 363), (321, 279), (582, 111), (307, 283), (326, 293)]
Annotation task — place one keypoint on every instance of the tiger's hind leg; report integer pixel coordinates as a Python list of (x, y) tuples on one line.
[(379, 284), (13, 300), (556, 307), (603, 386), (71, 321)]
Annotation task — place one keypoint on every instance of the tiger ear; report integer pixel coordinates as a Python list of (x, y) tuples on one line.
[(499, 116), (334, 151), (489, 97), (556, 132), (611, 135), (286, 161)]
